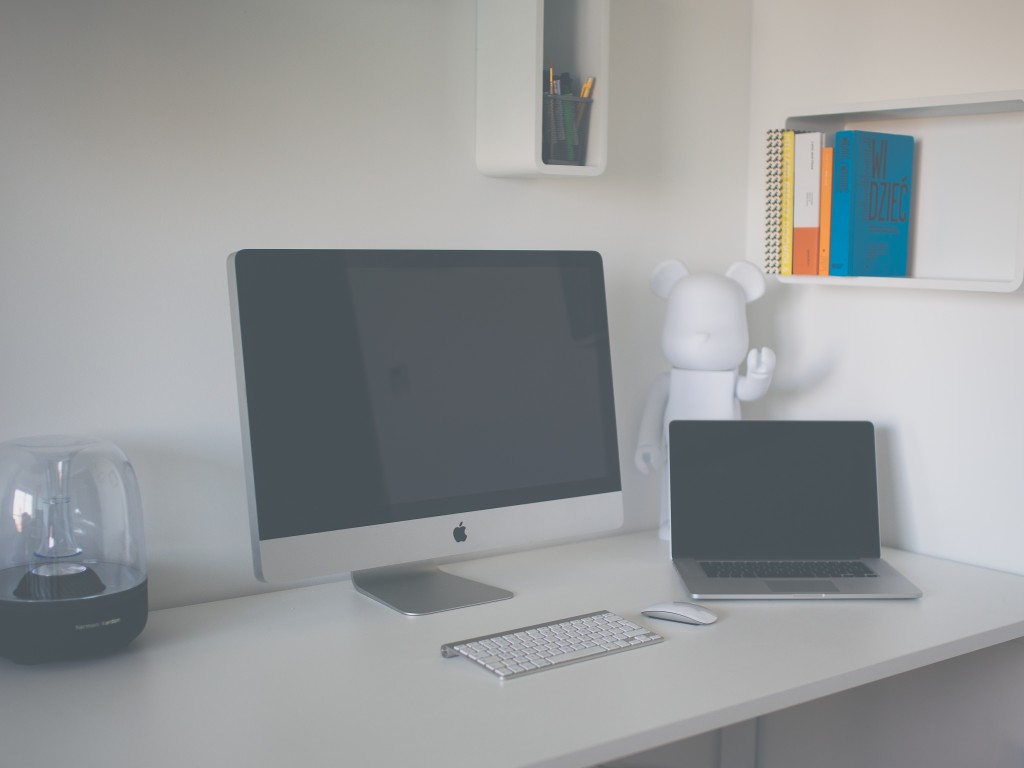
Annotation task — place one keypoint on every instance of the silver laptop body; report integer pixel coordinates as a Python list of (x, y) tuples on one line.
[(778, 510)]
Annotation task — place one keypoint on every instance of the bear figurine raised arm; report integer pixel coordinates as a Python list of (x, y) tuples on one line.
[(705, 340)]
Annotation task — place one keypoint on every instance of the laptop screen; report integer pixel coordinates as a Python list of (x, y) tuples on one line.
[(773, 490)]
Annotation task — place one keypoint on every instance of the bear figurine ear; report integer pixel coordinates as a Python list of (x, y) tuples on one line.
[(750, 278), (666, 275)]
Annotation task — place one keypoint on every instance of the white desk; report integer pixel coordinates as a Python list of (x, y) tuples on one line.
[(325, 676)]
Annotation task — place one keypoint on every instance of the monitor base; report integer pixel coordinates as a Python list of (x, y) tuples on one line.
[(419, 590)]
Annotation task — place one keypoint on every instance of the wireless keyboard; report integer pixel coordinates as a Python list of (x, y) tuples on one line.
[(518, 652)]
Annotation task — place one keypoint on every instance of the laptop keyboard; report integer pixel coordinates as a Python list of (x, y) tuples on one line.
[(786, 569)]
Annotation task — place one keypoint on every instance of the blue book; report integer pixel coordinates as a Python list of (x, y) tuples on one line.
[(871, 193)]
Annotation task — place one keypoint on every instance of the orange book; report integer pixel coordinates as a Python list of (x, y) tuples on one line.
[(825, 214)]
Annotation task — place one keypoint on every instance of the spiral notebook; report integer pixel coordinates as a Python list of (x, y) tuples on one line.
[(778, 510), (778, 213)]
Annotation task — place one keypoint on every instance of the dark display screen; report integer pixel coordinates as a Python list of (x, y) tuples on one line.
[(383, 386)]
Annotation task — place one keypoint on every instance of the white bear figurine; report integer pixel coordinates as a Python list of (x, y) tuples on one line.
[(705, 340)]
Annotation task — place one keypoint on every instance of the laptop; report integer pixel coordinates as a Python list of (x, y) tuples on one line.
[(778, 510)]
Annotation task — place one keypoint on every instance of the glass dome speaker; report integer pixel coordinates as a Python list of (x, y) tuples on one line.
[(72, 558)]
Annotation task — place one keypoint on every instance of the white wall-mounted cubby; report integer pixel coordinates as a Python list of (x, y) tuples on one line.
[(967, 230), (516, 40)]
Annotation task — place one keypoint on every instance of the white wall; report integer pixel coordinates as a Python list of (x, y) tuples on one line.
[(143, 141), (939, 372)]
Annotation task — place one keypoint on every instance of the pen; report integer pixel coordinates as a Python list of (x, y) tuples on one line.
[(581, 108)]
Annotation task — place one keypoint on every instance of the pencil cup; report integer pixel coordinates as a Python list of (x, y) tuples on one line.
[(565, 126)]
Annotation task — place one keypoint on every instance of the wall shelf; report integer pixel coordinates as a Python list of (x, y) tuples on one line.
[(516, 39), (967, 229)]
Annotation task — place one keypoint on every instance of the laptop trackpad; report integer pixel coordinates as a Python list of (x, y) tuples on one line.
[(801, 586)]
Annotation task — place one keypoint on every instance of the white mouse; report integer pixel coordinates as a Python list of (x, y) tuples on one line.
[(686, 613)]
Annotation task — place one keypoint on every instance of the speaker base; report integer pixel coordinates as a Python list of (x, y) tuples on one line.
[(38, 631)]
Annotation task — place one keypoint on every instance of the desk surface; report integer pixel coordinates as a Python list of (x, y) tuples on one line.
[(324, 676)]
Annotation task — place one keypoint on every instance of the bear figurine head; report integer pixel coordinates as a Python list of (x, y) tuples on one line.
[(706, 320)]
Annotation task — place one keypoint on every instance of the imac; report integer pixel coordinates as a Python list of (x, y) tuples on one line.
[(404, 408)]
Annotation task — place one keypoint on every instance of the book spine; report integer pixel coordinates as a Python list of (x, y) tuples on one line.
[(825, 213), (806, 201), (773, 201), (786, 205), (842, 205)]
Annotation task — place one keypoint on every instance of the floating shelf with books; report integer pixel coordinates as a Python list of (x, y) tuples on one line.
[(967, 217), (518, 41)]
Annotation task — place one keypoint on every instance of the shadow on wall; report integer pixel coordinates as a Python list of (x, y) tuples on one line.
[(197, 526)]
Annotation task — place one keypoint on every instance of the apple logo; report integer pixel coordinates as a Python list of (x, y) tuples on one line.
[(460, 533)]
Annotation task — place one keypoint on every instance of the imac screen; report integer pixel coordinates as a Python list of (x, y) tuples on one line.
[(384, 387)]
